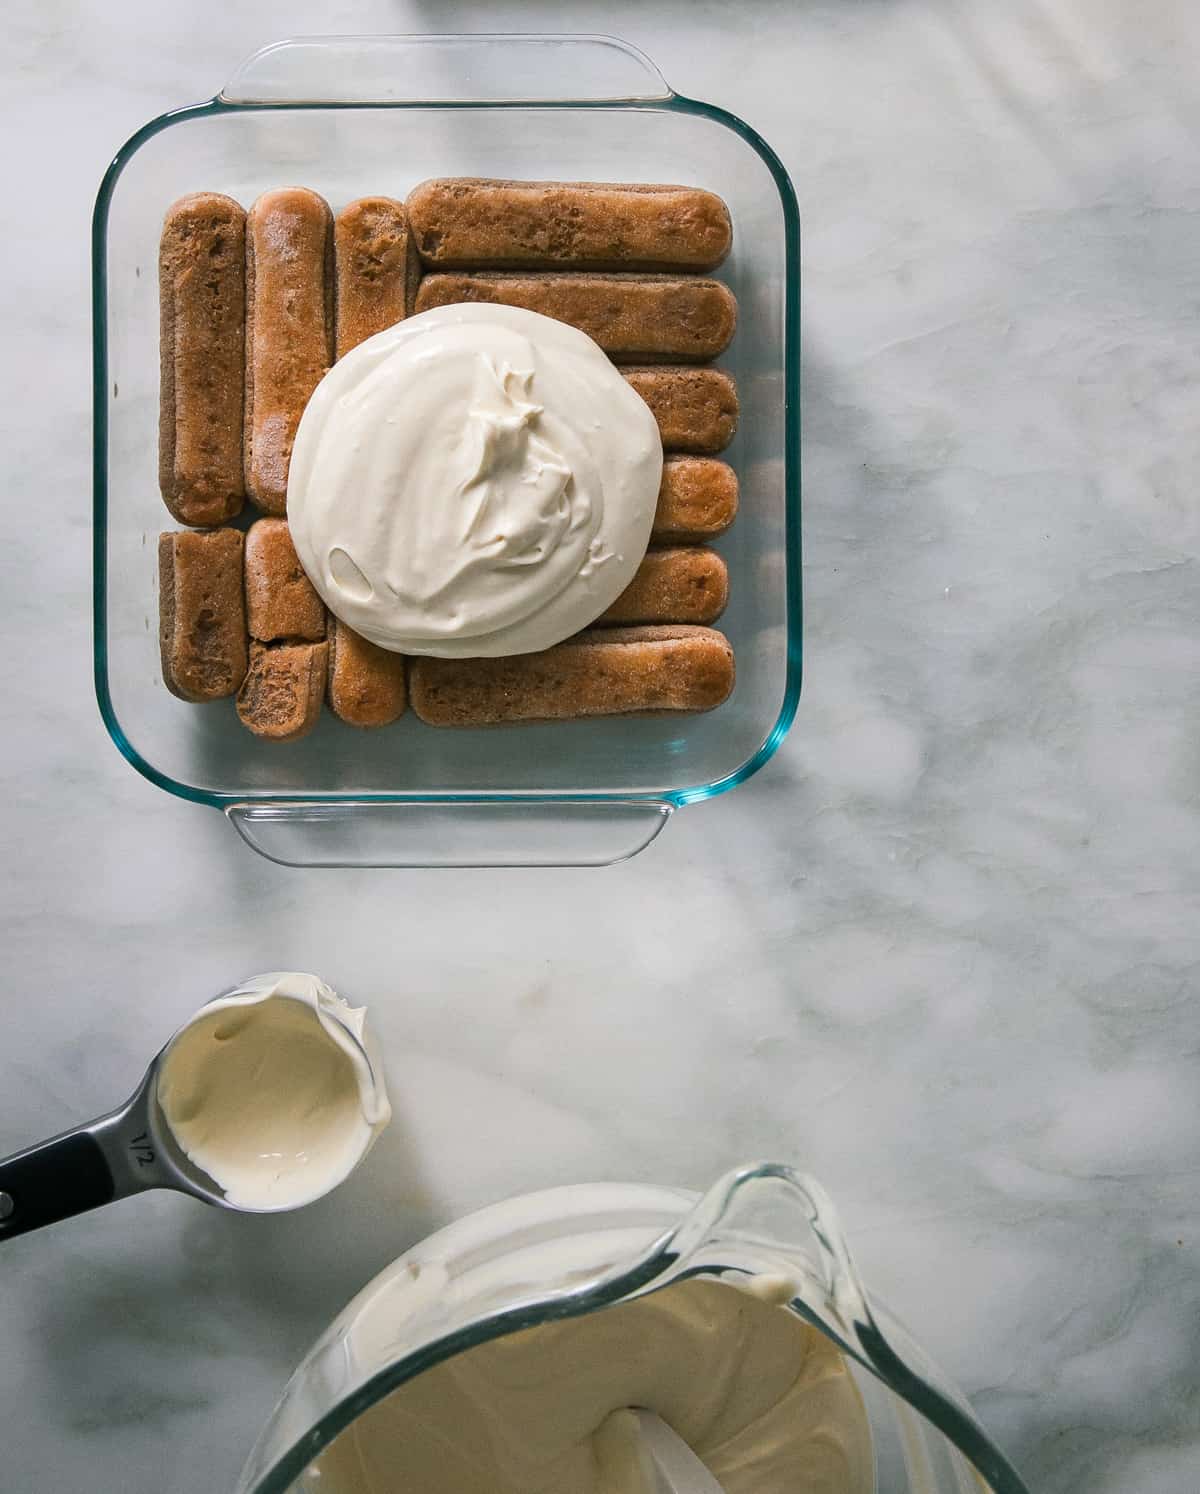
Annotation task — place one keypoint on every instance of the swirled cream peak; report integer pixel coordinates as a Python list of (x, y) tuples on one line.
[(476, 480)]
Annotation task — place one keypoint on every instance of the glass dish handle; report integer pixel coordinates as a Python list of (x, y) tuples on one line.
[(481, 69), (482, 832)]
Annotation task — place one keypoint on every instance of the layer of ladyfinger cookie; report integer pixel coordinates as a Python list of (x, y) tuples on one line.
[(376, 270), (473, 222), (280, 698), (201, 613), (289, 330), (696, 408), (366, 683), (697, 499), (608, 672), (637, 318), (686, 584), (281, 602), (202, 330)]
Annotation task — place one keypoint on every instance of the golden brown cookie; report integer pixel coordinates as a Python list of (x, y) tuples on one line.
[(634, 318), (289, 330), (608, 672), (201, 613), (202, 331), (281, 696), (696, 408), (686, 584), (281, 602), (376, 272), (471, 223), (697, 500), (366, 682)]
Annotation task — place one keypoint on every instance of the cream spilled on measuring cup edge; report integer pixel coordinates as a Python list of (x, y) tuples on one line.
[(275, 1090)]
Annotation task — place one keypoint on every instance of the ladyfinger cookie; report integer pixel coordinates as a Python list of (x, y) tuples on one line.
[(697, 499), (688, 584), (201, 613), (281, 696), (376, 269), (470, 222), (696, 408), (366, 682), (639, 318), (281, 602), (609, 672), (202, 331), (289, 330)]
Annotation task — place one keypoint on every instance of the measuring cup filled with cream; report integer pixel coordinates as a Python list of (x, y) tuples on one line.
[(275, 1091), (267, 1098)]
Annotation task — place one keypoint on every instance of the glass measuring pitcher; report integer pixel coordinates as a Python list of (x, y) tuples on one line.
[(569, 1251)]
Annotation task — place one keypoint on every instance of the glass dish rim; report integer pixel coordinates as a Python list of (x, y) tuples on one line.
[(676, 797)]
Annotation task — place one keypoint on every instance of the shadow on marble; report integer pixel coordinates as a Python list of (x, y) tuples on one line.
[(218, 1279)]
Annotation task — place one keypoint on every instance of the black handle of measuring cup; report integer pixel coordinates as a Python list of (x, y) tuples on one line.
[(66, 1175)]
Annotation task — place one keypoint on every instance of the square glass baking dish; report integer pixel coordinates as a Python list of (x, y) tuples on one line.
[(357, 115)]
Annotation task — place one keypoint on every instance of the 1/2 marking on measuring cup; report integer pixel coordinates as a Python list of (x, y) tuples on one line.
[(142, 1150)]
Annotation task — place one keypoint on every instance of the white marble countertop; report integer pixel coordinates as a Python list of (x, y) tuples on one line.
[(942, 952)]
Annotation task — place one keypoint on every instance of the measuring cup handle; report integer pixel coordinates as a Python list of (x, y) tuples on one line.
[(53, 1180)]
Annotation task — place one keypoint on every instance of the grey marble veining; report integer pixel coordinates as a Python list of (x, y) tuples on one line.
[(942, 952)]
